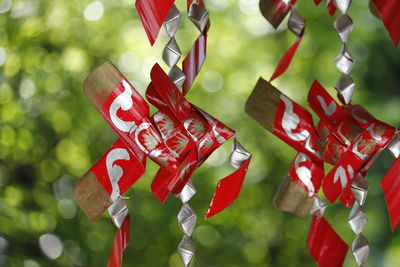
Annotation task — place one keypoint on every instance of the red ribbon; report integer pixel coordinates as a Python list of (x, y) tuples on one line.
[(391, 190), (228, 190), (285, 60), (325, 245), (153, 13), (390, 10), (120, 243)]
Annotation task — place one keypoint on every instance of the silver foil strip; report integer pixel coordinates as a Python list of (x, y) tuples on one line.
[(394, 146), (187, 221), (318, 207), (358, 219), (171, 52), (118, 212), (344, 62)]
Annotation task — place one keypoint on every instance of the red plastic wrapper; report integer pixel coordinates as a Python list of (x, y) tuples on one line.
[(325, 245)]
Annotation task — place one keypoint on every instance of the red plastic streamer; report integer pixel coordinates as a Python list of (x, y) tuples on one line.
[(390, 10), (391, 190), (120, 243), (228, 190), (325, 245), (153, 13), (285, 61)]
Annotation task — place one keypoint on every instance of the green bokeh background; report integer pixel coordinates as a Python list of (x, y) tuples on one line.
[(50, 134)]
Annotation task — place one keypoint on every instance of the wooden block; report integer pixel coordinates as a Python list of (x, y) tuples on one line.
[(263, 103), (101, 82), (91, 196), (271, 13), (293, 198)]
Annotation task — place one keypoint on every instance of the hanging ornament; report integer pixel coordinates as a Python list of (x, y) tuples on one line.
[(179, 137)]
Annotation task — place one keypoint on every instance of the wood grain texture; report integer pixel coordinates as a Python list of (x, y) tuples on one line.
[(263, 103), (91, 196), (293, 198), (101, 82), (270, 12)]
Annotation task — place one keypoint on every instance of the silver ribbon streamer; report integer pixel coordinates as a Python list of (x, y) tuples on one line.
[(172, 53), (187, 221), (394, 146), (118, 212), (358, 219), (318, 207), (344, 62)]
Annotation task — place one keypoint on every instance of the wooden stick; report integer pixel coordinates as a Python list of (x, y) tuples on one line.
[(91, 196), (263, 103), (100, 83), (293, 198)]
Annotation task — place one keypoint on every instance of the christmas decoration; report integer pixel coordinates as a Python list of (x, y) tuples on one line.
[(179, 137), (348, 137)]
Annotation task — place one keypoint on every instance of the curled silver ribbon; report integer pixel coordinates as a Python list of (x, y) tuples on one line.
[(394, 146), (172, 53), (358, 219), (344, 62), (318, 207), (187, 221), (118, 212)]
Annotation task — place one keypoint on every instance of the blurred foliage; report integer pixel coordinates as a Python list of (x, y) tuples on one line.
[(50, 134)]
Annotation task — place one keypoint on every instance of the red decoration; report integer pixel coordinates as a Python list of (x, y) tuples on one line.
[(228, 190), (153, 13), (391, 190), (120, 243), (325, 245), (390, 10)]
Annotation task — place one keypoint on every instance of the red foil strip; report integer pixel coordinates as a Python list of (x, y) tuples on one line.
[(127, 113), (307, 173), (325, 245), (193, 62), (325, 106), (153, 13), (285, 61), (390, 10), (342, 175), (120, 243), (294, 125), (118, 166), (206, 133), (391, 190), (331, 7), (228, 190)]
